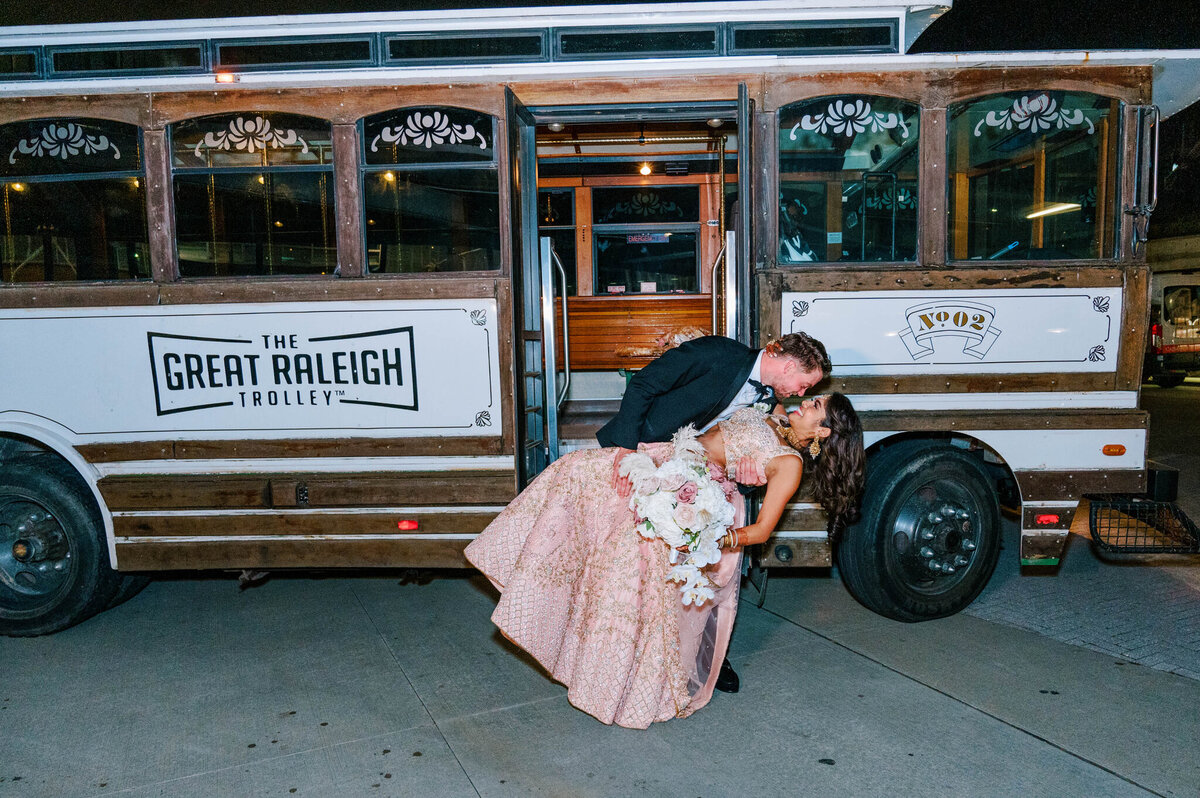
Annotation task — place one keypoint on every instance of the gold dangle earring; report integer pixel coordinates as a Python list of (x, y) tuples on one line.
[(814, 448)]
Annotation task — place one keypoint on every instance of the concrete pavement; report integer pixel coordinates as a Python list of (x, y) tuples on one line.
[(363, 686)]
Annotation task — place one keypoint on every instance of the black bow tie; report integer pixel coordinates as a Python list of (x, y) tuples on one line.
[(765, 392)]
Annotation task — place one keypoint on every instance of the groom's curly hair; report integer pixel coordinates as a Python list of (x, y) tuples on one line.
[(804, 348)]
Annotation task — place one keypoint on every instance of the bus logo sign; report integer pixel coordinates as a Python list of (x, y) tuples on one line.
[(969, 320), (278, 371)]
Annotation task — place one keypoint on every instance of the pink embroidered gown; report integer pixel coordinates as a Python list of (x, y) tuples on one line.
[(588, 597)]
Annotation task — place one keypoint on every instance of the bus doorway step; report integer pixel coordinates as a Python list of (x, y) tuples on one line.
[(1131, 524)]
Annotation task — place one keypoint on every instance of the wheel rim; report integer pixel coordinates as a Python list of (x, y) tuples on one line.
[(35, 555), (935, 537)]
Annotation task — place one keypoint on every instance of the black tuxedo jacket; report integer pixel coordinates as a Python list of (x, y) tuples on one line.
[(689, 384)]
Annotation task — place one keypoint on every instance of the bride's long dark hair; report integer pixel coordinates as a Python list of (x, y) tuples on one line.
[(837, 473)]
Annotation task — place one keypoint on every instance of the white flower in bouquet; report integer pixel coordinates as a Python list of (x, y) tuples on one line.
[(681, 504)]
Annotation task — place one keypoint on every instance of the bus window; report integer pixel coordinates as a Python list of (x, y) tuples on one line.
[(431, 191), (646, 239), (1033, 176), (556, 219), (73, 201), (1182, 310), (253, 195), (848, 180)]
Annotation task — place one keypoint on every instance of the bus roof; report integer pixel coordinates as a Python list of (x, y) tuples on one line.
[(1176, 72)]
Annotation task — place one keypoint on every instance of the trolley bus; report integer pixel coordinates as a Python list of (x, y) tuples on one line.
[(327, 291)]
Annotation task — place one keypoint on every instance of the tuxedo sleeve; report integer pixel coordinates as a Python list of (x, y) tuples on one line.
[(674, 368)]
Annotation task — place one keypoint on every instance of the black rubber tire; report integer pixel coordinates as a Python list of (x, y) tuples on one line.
[(33, 602), (880, 558), (131, 585), (1169, 380)]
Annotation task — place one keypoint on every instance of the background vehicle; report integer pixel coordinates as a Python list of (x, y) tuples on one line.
[(1174, 346)]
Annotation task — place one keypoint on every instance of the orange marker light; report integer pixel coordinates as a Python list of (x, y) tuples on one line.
[(1113, 449), (407, 525), (226, 77)]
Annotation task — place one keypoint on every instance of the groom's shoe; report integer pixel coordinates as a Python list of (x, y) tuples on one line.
[(727, 679)]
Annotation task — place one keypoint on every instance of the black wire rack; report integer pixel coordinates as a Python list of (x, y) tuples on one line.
[(1136, 525)]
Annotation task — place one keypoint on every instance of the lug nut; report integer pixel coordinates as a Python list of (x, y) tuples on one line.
[(926, 552), (935, 566), (968, 545)]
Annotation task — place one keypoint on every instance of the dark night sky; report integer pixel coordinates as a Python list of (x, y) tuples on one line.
[(970, 25)]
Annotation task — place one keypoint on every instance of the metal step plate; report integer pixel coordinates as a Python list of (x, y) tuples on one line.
[(1124, 524)]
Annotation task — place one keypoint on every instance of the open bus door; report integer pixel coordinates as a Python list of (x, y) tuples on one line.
[(533, 275)]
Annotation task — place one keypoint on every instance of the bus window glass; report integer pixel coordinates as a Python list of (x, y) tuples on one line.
[(646, 239), (431, 191), (848, 180), (1182, 310), (556, 219), (1033, 176), (253, 195), (74, 204), (428, 135)]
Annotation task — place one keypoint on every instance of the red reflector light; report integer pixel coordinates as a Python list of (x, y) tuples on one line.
[(1113, 449), (408, 525), (1046, 518)]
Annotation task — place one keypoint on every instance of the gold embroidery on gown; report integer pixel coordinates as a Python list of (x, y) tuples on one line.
[(588, 597)]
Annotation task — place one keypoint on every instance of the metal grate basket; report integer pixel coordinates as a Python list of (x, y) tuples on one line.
[(1135, 525)]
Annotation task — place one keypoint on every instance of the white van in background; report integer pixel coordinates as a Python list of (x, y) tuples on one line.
[(1173, 349)]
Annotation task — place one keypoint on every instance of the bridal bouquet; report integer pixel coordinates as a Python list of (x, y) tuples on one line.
[(685, 503)]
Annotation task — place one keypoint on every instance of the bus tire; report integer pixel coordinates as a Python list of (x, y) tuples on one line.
[(1169, 379), (131, 585), (54, 566), (924, 504)]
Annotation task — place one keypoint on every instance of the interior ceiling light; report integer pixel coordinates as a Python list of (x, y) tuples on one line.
[(645, 169), (1054, 208), (715, 122), (555, 127)]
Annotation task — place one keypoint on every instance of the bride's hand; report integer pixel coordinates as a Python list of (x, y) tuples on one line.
[(622, 485), (749, 472)]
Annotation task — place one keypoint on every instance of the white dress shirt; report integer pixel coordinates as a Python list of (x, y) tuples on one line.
[(747, 396)]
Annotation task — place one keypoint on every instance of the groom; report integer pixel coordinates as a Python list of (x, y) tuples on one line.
[(702, 382)]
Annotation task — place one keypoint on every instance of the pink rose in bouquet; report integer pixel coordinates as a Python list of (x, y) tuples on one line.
[(685, 515), (687, 492), (716, 472), (671, 481)]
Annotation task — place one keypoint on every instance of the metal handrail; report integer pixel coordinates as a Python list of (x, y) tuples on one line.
[(712, 281), (566, 336), (1154, 160)]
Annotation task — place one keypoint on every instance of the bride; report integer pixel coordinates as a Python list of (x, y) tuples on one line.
[(589, 597)]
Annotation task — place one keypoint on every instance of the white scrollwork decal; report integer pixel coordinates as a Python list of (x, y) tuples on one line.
[(902, 198), (1035, 113), (478, 318), (249, 134), (425, 129), (63, 141), (848, 118), (645, 203)]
